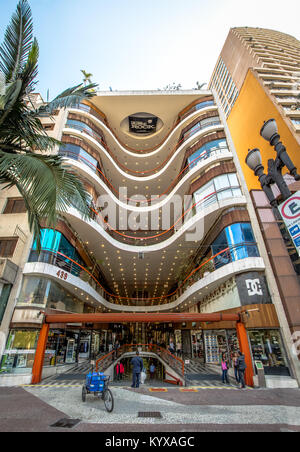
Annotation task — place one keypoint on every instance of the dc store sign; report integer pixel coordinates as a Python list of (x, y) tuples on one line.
[(290, 213)]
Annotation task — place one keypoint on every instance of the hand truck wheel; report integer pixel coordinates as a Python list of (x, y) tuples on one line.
[(108, 400), (84, 392)]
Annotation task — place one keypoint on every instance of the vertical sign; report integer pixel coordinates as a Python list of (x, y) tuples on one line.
[(290, 213)]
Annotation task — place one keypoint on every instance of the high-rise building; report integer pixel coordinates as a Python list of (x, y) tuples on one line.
[(171, 230), (257, 78)]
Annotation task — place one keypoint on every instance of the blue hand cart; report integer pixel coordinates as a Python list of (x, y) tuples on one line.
[(97, 383)]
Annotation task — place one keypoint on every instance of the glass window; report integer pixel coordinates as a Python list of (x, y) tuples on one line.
[(216, 189), (205, 151), (33, 291), (239, 238), (50, 240), (267, 347), (77, 153)]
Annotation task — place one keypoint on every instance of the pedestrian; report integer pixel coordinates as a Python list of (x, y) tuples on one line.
[(235, 366), (224, 365), (178, 349), (171, 346), (241, 365), (116, 347), (138, 365), (120, 371), (152, 371)]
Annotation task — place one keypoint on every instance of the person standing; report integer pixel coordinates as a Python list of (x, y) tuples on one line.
[(224, 365), (235, 366), (171, 347), (137, 368), (241, 365), (152, 371)]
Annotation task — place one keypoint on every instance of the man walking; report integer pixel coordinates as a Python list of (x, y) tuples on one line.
[(138, 365), (241, 366)]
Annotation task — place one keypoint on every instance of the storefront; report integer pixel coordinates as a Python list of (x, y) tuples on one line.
[(20, 349), (267, 347)]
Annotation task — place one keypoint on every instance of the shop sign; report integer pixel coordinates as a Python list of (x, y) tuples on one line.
[(290, 213), (142, 125), (252, 288)]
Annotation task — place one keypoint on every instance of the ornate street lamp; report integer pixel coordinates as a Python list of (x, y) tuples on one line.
[(269, 132)]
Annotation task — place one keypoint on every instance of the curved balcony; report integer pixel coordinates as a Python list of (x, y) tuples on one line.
[(141, 153), (204, 279), (160, 169), (201, 215), (93, 173)]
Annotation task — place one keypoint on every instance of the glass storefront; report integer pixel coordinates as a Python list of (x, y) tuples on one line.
[(19, 354), (267, 347)]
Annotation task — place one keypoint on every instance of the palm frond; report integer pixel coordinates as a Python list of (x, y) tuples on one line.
[(71, 97), (17, 42), (48, 187)]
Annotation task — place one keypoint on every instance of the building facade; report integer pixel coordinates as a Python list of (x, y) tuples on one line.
[(171, 229), (263, 65)]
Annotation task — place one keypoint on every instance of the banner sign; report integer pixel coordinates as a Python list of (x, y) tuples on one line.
[(290, 213), (252, 288), (142, 125)]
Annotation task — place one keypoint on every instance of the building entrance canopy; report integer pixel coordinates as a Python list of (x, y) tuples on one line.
[(141, 318)]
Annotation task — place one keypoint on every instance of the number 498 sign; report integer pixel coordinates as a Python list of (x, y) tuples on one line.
[(290, 213)]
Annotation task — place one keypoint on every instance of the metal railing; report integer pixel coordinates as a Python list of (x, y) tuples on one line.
[(171, 360), (67, 265), (199, 126)]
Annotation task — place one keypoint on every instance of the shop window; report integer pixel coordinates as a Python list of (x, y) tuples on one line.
[(15, 205), (267, 347), (7, 247), (20, 351)]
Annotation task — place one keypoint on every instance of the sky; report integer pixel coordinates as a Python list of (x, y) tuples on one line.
[(141, 45)]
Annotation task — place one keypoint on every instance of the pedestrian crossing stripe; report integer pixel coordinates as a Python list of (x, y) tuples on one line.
[(158, 389), (187, 390)]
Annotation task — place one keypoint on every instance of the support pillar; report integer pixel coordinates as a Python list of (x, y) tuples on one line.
[(245, 349), (40, 355)]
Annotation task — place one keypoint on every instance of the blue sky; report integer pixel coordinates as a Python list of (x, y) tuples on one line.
[(131, 44)]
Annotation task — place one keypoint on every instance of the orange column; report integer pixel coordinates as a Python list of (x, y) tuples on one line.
[(245, 349), (40, 355)]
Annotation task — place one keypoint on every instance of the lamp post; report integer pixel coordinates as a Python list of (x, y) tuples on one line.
[(269, 132)]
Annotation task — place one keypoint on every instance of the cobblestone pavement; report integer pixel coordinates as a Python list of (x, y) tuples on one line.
[(36, 409)]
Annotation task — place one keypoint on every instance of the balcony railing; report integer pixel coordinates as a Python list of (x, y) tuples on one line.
[(199, 127), (173, 361), (67, 265), (197, 107), (88, 130)]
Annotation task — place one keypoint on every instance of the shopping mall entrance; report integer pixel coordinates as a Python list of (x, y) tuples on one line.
[(169, 348)]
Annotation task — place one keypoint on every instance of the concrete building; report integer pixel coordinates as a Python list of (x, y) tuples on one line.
[(256, 78), (172, 229)]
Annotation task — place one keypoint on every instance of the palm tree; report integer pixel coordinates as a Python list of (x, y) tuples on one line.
[(47, 185), (87, 76)]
